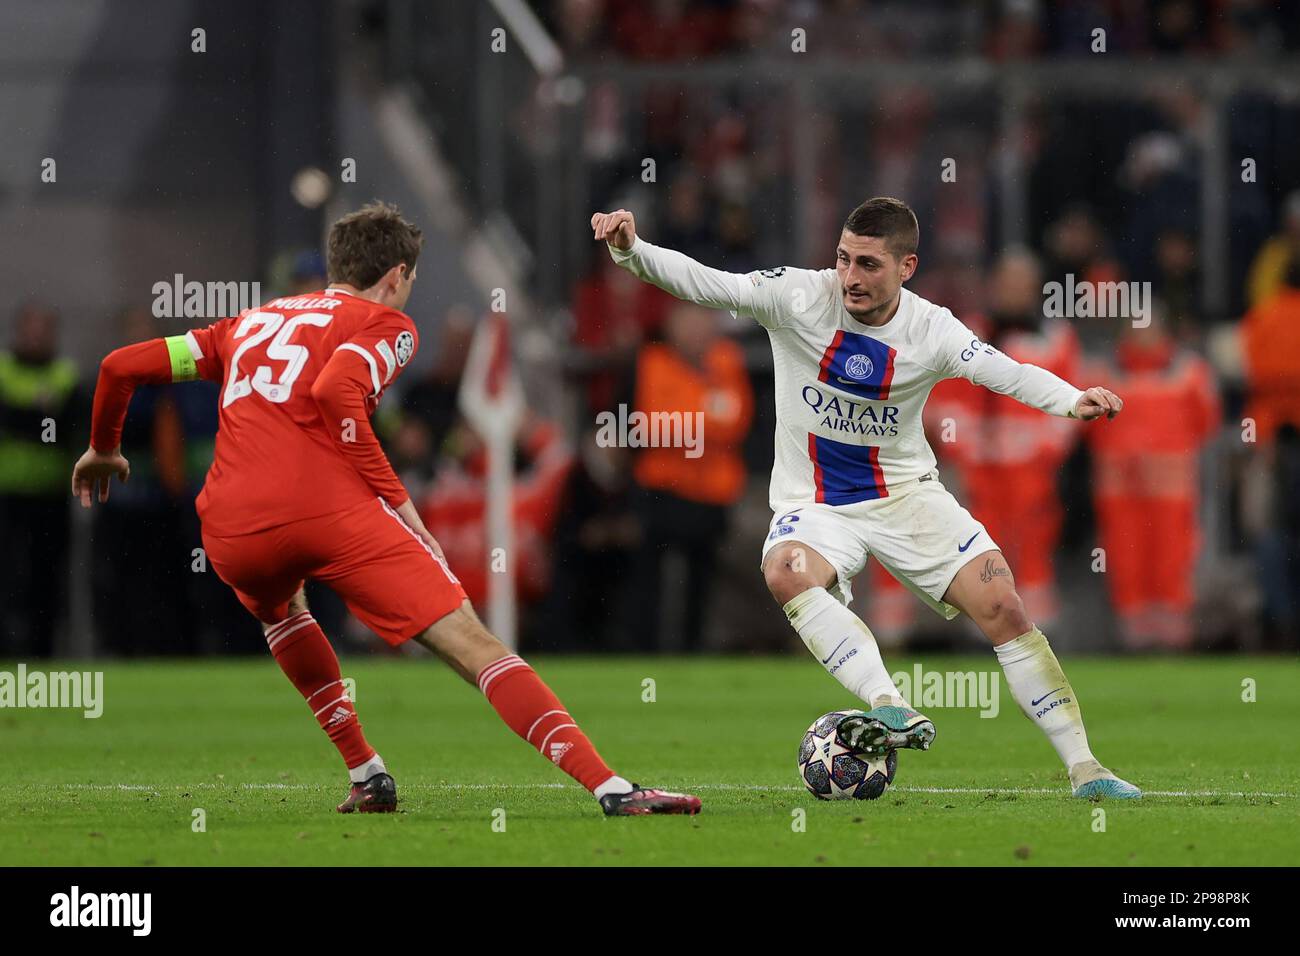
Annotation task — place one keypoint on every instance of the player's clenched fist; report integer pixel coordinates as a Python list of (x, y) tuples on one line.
[(618, 228), (1097, 401)]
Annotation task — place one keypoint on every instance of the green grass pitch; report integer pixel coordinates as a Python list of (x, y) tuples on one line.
[(234, 739)]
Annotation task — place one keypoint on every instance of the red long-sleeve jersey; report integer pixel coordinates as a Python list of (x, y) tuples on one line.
[(300, 377)]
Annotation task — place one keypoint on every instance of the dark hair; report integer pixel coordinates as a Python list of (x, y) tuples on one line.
[(889, 219), (365, 244)]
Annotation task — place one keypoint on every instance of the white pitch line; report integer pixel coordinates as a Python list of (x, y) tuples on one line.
[(1149, 793), (703, 786)]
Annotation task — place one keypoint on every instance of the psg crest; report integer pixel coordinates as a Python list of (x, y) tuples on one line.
[(858, 366)]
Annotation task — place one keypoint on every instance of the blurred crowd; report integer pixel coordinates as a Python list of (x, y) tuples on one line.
[(679, 30), (1175, 526), (600, 528)]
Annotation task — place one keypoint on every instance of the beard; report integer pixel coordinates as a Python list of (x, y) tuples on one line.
[(866, 309)]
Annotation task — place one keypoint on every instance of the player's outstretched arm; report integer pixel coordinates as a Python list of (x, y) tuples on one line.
[(154, 362), (176, 358), (961, 354), (677, 274), (1038, 388)]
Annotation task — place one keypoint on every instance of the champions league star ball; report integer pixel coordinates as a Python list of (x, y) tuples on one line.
[(832, 771)]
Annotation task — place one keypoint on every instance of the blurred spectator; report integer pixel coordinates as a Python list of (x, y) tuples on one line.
[(1270, 511), (309, 273), (1271, 497), (757, 27), (454, 507), (1275, 257), (1159, 174), (1178, 282), (593, 548), (579, 26), (1258, 28), (1009, 455), (684, 501), (1146, 483), (613, 312), (1016, 34), (687, 225), (1076, 246), (1178, 26), (430, 404), (667, 30), (1271, 343), (39, 407)]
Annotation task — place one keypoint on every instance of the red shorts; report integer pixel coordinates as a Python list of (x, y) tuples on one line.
[(390, 579)]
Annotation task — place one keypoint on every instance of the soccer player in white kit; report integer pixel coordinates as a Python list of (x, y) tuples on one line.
[(855, 357)]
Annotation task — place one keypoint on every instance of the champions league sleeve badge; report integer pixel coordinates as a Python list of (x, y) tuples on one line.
[(405, 347)]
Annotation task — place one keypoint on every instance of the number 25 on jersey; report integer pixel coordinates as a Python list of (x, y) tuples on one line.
[(268, 325)]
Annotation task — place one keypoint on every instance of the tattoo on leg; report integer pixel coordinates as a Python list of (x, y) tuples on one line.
[(990, 569)]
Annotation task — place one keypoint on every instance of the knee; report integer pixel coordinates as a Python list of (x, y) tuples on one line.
[(463, 642), (1002, 614), (295, 606), (485, 647), (477, 648), (785, 583)]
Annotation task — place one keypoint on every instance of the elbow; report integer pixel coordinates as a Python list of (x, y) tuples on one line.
[(115, 372), (329, 388), (326, 397), (114, 364), (337, 400)]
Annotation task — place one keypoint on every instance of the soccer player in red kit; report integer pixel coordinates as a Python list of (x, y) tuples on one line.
[(299, 488)]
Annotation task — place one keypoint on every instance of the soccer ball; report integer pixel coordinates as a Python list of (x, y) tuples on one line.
[(832, 771)]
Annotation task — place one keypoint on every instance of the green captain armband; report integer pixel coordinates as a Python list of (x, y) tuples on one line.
[(184, 368)]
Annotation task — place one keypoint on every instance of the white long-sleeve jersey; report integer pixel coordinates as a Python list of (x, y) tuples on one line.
[(849, 397)]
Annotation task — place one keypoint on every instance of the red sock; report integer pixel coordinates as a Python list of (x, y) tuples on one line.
[(533, 711), (303, 652)]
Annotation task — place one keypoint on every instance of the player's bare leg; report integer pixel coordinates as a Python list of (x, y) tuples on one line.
[(800, 578), (985, 589), (533, 711), (303, 652)]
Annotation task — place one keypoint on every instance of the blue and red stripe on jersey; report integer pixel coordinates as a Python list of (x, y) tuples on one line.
[(844, 474), (858, 364)]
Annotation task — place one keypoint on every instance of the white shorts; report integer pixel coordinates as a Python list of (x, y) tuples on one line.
[(919, 534)]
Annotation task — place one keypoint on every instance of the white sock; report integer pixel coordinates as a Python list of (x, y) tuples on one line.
[(367, 770), (615, 784), (844, 645), (1044, 694)]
